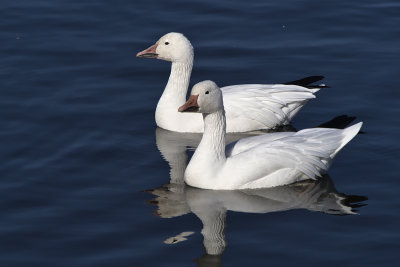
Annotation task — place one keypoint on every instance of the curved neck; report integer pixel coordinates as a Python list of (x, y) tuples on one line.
[(214, 135), (178, 83)]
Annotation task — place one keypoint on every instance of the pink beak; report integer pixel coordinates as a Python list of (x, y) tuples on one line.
[(190, 105), (149, 52)]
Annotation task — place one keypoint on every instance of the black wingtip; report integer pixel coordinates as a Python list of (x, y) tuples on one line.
[(355, 201), (307, 81), (339, 122)]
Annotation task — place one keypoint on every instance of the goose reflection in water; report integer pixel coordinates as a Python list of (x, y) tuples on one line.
[(210, 206)]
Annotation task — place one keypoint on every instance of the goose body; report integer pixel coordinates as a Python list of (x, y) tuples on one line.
[(262, 161), (248, 107)]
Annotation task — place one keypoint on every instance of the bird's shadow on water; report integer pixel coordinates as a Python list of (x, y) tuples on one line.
[(210, 206)]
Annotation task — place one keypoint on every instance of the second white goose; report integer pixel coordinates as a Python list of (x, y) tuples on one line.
[(268, 160), (248, 107)]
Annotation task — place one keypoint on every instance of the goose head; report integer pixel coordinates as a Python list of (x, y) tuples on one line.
[(206, 97), (173, 47)]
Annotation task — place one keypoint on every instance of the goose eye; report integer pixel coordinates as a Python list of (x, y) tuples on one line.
[(207, 92), (166, 43)]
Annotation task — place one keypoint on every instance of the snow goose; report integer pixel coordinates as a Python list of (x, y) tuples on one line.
[(248, 107), (262, 161)]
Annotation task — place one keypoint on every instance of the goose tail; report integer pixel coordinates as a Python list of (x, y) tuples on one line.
[(348, 134)]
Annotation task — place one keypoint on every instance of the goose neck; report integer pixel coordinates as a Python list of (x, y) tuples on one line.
[(214, 134), (178, 82)]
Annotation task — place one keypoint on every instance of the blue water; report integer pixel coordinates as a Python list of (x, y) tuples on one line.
[(81, 154)]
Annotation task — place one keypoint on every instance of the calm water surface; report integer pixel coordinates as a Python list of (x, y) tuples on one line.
[(85, 173)]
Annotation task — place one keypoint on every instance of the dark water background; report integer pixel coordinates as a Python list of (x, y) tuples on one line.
[(78, 144)]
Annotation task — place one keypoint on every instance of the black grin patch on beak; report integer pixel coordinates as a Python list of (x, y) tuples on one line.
[(191, 109), (149, 55)]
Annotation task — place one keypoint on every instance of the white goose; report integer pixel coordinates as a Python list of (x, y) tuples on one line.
[(268, 160), (248, 107)]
